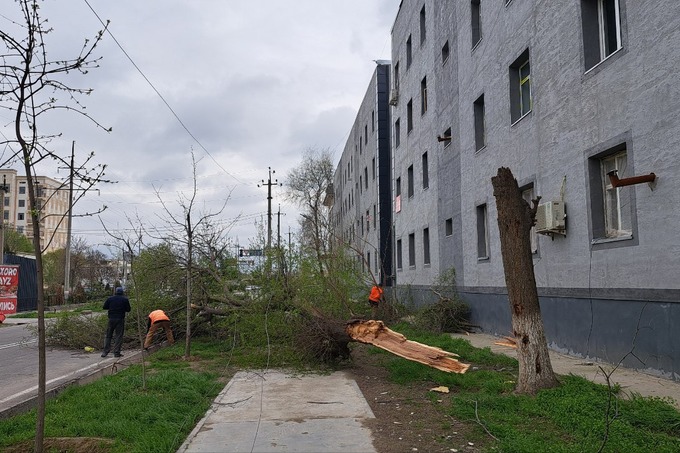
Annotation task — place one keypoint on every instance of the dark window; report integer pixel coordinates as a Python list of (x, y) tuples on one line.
[(410, 181), (520, 87), (397, 186), (426, 172), (480, 134), (399, 257), (482, 233), (20, 216), (373, 169), (476, 21), (373, 121), (445, 52), (408, 52), (366, 177), (409, 116), (412, 250), (448, 228), (423, 96), (447, 137), (601, 20), (374, 215), (422, 26), (5, 215), (22, 203), (426, 246), (7, 201), (22, 189), (365, 134), (368, 220), (397, 133), (396, 76)]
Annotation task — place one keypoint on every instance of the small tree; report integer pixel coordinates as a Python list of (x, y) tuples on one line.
[(515, 219), (30, 88)]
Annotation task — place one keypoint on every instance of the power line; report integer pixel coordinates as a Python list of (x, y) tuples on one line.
[(159, 94)]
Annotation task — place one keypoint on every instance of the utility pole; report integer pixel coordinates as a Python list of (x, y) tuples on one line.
[(4, 188), (269, 185), (67, 253)]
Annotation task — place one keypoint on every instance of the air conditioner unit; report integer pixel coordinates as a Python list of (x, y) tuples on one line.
[(394, 97), (550, 218)]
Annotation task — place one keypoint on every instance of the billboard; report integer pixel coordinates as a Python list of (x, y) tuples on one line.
[(9, 283)]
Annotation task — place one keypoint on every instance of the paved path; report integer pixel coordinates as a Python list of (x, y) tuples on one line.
[(273, 411)]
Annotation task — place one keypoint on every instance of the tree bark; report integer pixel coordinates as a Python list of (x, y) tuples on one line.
[(515, 219)]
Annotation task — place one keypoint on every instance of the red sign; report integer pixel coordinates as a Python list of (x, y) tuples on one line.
[(9, 282)]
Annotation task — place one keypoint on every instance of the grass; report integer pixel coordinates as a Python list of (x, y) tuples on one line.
[(569, 418), (131, 418)]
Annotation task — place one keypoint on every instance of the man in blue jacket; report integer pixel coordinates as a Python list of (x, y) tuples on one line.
[(117, 305)]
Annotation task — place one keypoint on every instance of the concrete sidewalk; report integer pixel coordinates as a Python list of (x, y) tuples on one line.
[(631, 381), (274, 411)]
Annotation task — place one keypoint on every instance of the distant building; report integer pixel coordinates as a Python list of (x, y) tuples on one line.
[(52, 199)]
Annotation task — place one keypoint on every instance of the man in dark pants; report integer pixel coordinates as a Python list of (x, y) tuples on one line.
[(117, 305)]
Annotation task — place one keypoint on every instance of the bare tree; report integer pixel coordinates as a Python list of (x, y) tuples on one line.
[(307, 186), (515, 219), (184, 237), (30, 88)]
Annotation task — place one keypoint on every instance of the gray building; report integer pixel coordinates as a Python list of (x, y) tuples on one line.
[(581, 100), (361, 214)]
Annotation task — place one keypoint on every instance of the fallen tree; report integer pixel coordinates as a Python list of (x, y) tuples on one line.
[(377, 334)]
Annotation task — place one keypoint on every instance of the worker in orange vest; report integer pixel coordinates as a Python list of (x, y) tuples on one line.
[(155, 321), (374, 299)]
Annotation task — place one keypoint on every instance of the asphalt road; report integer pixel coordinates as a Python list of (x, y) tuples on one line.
[(19, 366)]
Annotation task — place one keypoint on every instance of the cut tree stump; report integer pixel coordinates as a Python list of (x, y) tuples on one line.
[(377, 334)]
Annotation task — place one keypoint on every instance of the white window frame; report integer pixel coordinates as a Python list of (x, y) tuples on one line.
[(602, 22), (614, 220)]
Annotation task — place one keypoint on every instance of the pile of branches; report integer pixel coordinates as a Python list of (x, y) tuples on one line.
[(321, 338), (448, 314)]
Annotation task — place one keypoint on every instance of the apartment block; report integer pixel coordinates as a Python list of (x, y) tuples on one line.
[(361, 213), (52, 199), (580, 100)]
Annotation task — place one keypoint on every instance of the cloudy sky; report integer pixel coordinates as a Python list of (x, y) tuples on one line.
[(256, 82)]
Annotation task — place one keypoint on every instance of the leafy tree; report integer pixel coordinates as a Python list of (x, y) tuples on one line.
[(307, 185), (16, 242)]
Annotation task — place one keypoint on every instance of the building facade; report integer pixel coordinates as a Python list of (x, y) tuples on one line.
[(52, 197), (579, 99), (361, 213)]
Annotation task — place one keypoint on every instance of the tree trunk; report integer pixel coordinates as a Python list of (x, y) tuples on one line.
[(515, 219)]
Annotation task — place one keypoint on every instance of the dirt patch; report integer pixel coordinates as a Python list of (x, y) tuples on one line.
[(407, 417), (66, 445)]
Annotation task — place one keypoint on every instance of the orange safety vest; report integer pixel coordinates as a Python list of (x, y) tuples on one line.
[(158, 315), (376, 294)]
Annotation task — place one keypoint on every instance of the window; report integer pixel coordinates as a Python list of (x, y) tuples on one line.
[(446, 138), (366, 177), (520, 87), (617, 215), (423, 96), (426, 246), (365, 134), (448, 227), (482, 233), (409, 174), (480, 139), (20, 216), (475, 21), (397, 133), (398, 186), (397, 198), (445, 52), (373, 169), (396, 76), (400, 263), (374, 215), (423, 33), (368, 220), (528, 195), (612, 208), (20, 229), (5, 215), (601, 20), (22, 203), (408, 52), (372, 120), (7, 201), (412, 250), (22, 189), (409, 116), (426, 176)]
